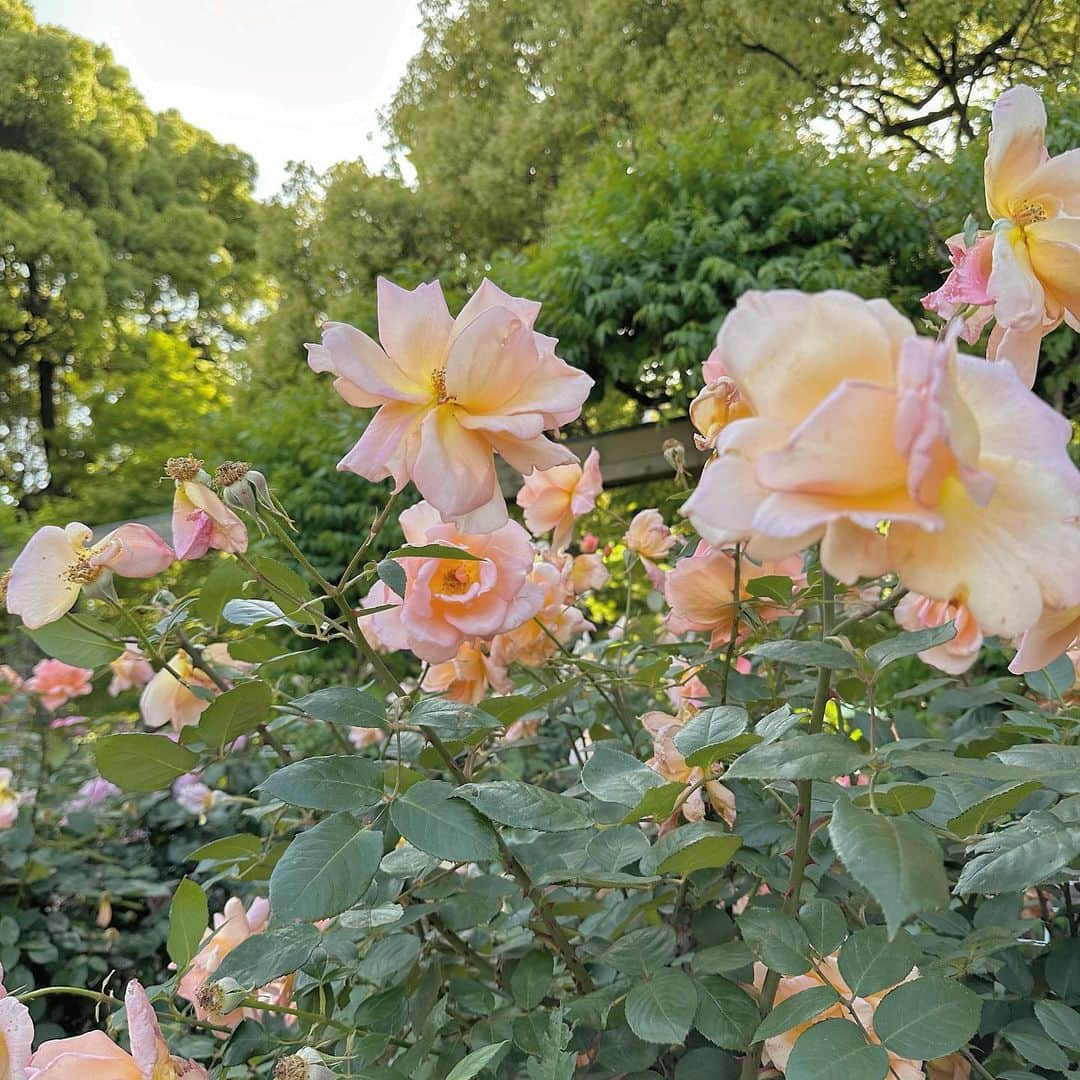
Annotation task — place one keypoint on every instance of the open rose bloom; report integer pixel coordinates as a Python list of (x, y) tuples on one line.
[(57, 564), (166, 699), (452, 393), (553, 499), (449, 602), (897, 454), (1025, 272), (57, 683)]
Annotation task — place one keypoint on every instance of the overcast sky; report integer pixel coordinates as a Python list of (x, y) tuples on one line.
[(283, 79)]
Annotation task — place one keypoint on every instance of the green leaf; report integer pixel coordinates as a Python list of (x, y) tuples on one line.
[(774, 587), (224, 582), (325, 870), (805, 653), (473, 1064), (802, 757), (825, 925), (1060, 1022), (262, 958), (390, 959), (835, 1048), (870, 962), (713, 734), (532, 978), (777, 940), (641, 951), (84, 646), (1037, 848), (344, 705), (726, 1014), (433, 551), (657, 802), (927, 1018), (392, 575), (254, 650), (526, 806), (451, 719), (136, 761), (699, 845), (288, 590), (897, 860), (796, 1010), (236, 712), (998, 803), (1038, 1050), (656, 1008), (241, 846), (335, 782), (614, 848), (614, 776), (897, 798), (883, 653), (447, 828), (255, 613), (1053, 681), (189, 917), (1063, 969)]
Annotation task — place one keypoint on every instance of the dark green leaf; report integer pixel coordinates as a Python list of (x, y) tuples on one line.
[(996, 804), (824, 924), (927, 1018), (262, 958), (392, 575), (796, 1010), (135, 761), (698, 845), (614, 776), (189, 917), (336, 782), (433, 551), (883, 653), (448, 828), (805, 653), (84, 646), (713, 734), (777, 940), (801, 757), (1060, 1022), (834, 1048), (726, 1014), (526, 806), (532, 978), (344, 705), (869, 962), (236, 712), (657, 1007)]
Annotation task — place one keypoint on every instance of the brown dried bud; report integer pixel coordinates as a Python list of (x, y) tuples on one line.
[(183, 468)]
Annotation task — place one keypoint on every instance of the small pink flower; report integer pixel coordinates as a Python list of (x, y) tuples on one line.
[(553, 499), (467, 676), (11, 683), (93, 793), (713, 409), (688, 691), (967, 284), (201, 521), (589, 543), (452, 601), (130, 670), (588, 574), (193, 795), (649, 536), (363, 737), (57, 683), (57, 564), (915, 612), (9, 800), (699, 591), (450, 394)]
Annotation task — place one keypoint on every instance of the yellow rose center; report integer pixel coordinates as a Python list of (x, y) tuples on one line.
[(438, 386), (1028, 213), (82, 571), (456, 577)]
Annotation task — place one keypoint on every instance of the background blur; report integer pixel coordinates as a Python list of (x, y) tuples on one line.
[(634, 164)]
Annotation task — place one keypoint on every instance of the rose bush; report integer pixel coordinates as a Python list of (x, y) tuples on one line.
[(722, 824)]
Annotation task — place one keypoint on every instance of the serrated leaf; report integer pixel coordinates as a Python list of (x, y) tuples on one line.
[(344, 705), (698, 845), (927, 1017), (224, 582), (255, 613), (897, 798), (189, 917), (532, 978), (869, 962), (996, 804), (236, 712), (241, 846), (834, 1048), (262, 958), (656, 1008), (883, 653), (325, 870), (85, 646), (451, 719), (288, 590), (614, 776), (473, 1064), (335, 782), (657, 802), (774, 587), (825, 925), (796, 1010), (1060, 1022), (434, 551), (726, 1014), (1038, 1050), (715, 733), (135, 761), (641, 951), (614, 848), (1053, 681), (448, 828), (777, 940), (805, 653), (896, 859), (526, 806), (1037, 848), (801, 757)]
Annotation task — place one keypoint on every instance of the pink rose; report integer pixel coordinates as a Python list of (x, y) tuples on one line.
[(57, 683), (450, 394), (553, 499), (167, 700), (915, 612), (467, 676), (130, 670)]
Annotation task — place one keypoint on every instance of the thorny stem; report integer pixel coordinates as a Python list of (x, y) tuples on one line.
[(736, 613), (976, 1064), (114, 1002), (886, 604), (376, 526), (801, 852)]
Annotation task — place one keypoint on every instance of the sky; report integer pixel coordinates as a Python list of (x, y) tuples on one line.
[(282, 79)]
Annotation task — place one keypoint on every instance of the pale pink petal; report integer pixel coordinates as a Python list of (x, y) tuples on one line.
[(1054, 634), (487, 518), (228, 533), (414, 328), (455, 468), (372, 377), (1017, 147), (383, 448), (524, 455), (136, 551), (1018, 347), (16, 1037), (148, 1046), (489, 295), (93, 1056), (417, 522), (1019, 300), (191, 528), (849, 552), (39, 591)]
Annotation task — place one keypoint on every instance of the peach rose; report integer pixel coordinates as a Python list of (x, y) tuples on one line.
[(11, 683), (167, 700), (57, 683), (553, 499), (130, 670), (1055, 633), (856, 422), (915, 612), (450, 394), (57, 564), (467, 676), (649, 536)]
